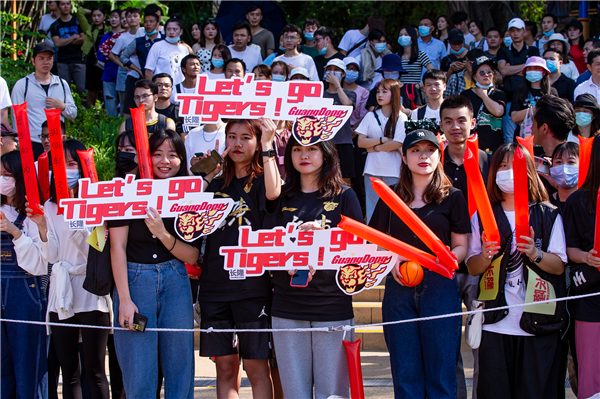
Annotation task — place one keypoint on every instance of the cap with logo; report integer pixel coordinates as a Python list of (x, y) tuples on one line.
[(516, 23), (417, 136)]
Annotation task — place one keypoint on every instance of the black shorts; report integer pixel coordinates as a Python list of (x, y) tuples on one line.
[(250, 313), (346, 156)]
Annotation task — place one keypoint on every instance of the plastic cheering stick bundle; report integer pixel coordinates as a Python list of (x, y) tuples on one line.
[(527, 143), (357, 389), (585, 153), (138, 118), (26, 150), (521, 182), (59, 169), (473, 145), (391, 244), (414, 223), (484, 208), (44, 175), (597, 232), (89, 166)]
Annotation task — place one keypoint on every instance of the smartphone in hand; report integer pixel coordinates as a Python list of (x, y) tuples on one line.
[(206, 165), (300, 279)]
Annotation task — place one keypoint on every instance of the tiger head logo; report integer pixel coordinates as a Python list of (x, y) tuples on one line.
[(191, 225), (309, 130), (352, 278)]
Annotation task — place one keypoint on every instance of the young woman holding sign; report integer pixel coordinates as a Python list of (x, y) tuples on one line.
[(314, 197), (151, 280), (581, 218), (23, 298), (68, 301), (249, 177), (519, 346), (427, 365)]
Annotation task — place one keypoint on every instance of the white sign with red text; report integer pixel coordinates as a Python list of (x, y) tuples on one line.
[(359, 265), (315, 118), (196, 213)]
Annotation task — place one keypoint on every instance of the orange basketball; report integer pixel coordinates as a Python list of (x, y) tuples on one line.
[(412, 273)]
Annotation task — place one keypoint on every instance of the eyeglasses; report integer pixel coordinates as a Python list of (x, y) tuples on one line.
[(143, 97), (210, 21), (44, 136), (290, 37), (485, 73), (163, 85)]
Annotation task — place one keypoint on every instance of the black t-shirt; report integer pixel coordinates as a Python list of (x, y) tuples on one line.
[(555, 200), (143, 247), (321, 61), (579, 231), (524, 103), (514, 57), (215, 285), (489, 127), (450, 216), (565, 87), (322, 299), (68, 54), (172, 112), (344, 135), (45, 87), (409, 92), (448, 60)]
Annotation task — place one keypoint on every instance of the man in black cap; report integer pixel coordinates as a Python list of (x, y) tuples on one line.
[(8, 139), (42, 90), (456, 60)]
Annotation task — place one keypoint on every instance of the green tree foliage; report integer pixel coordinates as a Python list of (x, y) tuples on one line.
[(14, 70), (532, 10)]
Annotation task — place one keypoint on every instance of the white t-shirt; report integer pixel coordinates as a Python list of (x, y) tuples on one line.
[(250, 56), (5, 101), (429, 114), (165, 57), (515, 288), (198, 140), (183, 90), (214, 75), (122, 42), (570, 70), (45, 23), (351, 38), (384, 163), (301, 61)]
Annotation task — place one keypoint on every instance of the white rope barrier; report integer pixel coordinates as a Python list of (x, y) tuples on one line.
[(314, 329)]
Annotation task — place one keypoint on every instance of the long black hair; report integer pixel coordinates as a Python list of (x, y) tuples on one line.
[(330, 177), (129, 135), (414, 45), (160, 136), (522, 93), (592, 180), (11, 161), (71, 147)]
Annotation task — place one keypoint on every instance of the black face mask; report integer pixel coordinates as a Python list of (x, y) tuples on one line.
[(125, 161)]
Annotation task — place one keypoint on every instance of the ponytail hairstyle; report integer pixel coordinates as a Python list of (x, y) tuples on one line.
[(256, 167), (11, 162), (396, 101)]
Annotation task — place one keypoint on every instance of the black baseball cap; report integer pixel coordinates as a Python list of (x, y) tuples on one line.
[(417, 136), (6, 130), (575, 23), (455, 35), (42, 47)]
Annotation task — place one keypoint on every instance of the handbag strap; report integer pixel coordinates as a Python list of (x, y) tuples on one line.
[(238, 187)]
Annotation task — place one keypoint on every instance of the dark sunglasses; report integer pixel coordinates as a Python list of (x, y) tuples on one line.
[(210, 21)]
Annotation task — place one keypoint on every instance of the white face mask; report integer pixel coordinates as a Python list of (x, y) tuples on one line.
[(566, 176), (72, 177), (7, 186), (505, 181)]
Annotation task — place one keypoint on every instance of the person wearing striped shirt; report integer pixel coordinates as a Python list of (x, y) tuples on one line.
[(413, 59)]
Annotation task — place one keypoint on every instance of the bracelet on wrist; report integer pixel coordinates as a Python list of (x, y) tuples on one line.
[(174, 242)]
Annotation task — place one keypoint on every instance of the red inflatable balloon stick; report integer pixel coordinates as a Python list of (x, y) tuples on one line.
[(521, 194), (391, 244), (441, 142), (138, 117), (44, 175), (527, 143), (473, 145), (597, 233), (59, 170), (26, 150), (414, 223), (357, 390), (88, 164), (585, 153)]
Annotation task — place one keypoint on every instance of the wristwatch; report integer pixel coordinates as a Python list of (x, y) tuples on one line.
[(268, 153), (539, 257)]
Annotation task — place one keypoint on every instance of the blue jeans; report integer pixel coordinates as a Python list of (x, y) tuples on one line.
[(110, 97), (508, 126), (423, 355), (162, 293), (371, 196)]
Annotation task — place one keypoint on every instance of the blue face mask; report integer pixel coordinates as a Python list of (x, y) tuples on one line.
[(323, 51), (72, 177), (351, 76), (424, 30), (380, 47), (565, 176), (507, 41), (150, 33), (281, 48), (404, 41), (338, 75), (551, 66), (484, 87), (583, 119), (277, 78), (217, 63), (173, 40), (456, 52), (534, 76), (548, 34), (309, 36), (391, 75)]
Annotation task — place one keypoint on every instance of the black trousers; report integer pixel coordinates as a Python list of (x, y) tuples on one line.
[(516, 367), (66, 345)]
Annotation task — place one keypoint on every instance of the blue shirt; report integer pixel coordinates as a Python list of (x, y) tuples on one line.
[(584, 76), (435, 49)]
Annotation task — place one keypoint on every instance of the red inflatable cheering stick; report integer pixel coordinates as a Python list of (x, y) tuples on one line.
[(138, 117), (484, 208), (521, 194), (527, 143), (357, 389), (597, 234), (391, 244), (26, 150), (89, 166), (414, 223), (44, 175), (585, 153), (59, 169), (473, 145)]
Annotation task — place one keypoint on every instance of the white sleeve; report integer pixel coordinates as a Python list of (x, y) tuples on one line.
[(365, 124), (400, 133), (152, 59), (4, 95), (579, 90), (188, 149), (558, 242), (29, 249), (312, 70), (344, 45), (118, 46), (474, 238), (51, 252), (70, 111)]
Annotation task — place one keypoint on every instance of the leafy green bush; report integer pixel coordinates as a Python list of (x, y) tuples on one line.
[(14, 70)]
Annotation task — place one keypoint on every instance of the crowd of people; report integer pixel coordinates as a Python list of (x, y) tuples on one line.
[(414, 104)]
